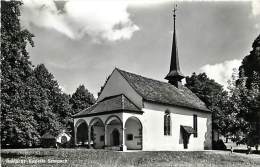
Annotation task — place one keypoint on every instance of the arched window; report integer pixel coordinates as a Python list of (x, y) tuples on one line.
[(167, 123)]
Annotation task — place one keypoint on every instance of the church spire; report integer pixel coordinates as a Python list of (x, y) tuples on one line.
[(174, 76)]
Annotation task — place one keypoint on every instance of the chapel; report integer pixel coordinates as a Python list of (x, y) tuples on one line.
[(134, 112)]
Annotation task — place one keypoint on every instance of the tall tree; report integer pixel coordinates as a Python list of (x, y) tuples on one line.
[(47, 82), (215, 98), (248, 85), (31, 101), (57, 110), (81, 99), (17, 123), (250, 67)]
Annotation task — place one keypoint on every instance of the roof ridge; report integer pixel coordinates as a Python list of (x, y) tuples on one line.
[(181, 88), (131, 101), (91, 106)]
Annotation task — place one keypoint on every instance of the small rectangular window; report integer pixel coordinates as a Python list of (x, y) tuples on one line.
[(129, 137), (102, 138), (195, 125)]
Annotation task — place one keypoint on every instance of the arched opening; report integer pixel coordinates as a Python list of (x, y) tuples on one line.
[(114, 131), (115, 138), (81, 133), (64, 140), (97, 133), (133, 134)]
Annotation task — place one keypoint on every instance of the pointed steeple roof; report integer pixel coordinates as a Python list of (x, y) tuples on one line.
[(174, 76)]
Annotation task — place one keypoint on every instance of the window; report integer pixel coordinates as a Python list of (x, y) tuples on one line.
[(195, 125), (129, 137), (102, 138), (167, 123)]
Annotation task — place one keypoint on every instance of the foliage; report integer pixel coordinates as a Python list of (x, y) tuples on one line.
[(236, 113), (81, 99), (215, 98), (17, 122), (206, 89), (31, 100), (245, 96), (250, 67), (248, 85), (245, 102), (59, 104)]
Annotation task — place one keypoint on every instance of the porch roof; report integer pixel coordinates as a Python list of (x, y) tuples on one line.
[(111, 104), (188, 129)]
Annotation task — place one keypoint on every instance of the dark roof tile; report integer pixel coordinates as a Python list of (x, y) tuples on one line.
[(109, 104), (162, 92)]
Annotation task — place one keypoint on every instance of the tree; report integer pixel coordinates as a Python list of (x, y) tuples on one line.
[(250, 67), (57, 113), (81, 99), (215, 98), (31, 101), (17, 123), (47, 82), (249, 80), (238, 100)]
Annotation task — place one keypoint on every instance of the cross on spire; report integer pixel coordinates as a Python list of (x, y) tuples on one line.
[(174, 76), (174, 11)]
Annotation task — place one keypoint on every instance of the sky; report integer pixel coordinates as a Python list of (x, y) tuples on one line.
[(82, 41)]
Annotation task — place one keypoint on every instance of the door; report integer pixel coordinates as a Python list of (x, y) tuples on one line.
[(115, 137)]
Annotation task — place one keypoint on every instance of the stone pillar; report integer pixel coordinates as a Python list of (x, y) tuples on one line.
[(123, 140), (89, 137), (105, 136), (75, 136)]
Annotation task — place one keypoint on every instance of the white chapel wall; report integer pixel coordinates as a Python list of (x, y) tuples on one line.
[(58, 139), (153, 128)]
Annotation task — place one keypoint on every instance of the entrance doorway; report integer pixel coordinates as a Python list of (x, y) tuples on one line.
[(115, 137), (82, 134), (133, 131)]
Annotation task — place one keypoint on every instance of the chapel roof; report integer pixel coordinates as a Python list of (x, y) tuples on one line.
[(111, 104), (162, 92)]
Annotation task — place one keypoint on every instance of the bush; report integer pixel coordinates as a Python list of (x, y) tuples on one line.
[(218, 145)]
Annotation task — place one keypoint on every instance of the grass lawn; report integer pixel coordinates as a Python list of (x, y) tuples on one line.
[(100, 158)]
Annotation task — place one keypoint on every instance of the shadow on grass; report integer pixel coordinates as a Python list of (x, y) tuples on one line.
[(18, 155), (244, 151), (11, 155)]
